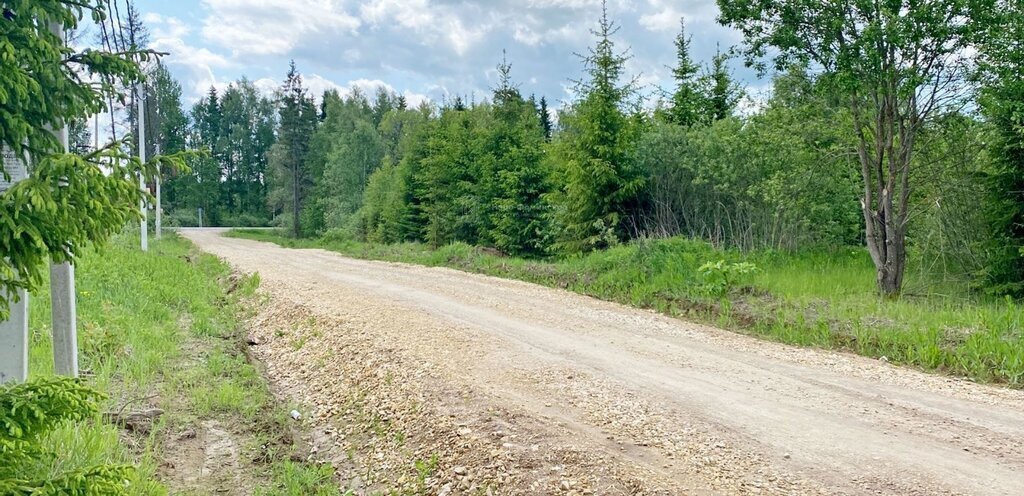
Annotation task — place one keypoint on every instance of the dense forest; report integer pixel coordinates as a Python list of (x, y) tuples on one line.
[(903, 138)]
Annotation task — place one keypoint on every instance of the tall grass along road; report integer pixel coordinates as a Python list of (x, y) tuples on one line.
[(659, 403)]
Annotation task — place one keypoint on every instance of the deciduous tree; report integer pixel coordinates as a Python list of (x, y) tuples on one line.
[(897, 63)]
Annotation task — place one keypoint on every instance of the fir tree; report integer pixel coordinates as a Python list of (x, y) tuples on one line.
[(723, 93), (298, 119), (545, 118), (516, 180), (687, 104), (598, 183)]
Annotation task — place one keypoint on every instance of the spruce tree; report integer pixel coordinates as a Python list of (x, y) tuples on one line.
[(723, 93), (298, 120), (545, 118), (515, 181), (598, 184), (1002, 103), (687, 104)]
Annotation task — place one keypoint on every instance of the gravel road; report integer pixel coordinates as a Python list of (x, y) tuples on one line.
[(661, 405)]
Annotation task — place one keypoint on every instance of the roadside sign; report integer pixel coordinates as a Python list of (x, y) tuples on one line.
[(14, 166)]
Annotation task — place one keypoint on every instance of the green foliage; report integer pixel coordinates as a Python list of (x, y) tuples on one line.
[(40, 86), (235, 129), (687, 104), (780, 179), (898, 64), (598, 186), (1002, 102), (291, 178), (69, 201), (350, 148), (721, 277), (448, 177), (472, 173), (28, 412), (722, 92), (514, 178)]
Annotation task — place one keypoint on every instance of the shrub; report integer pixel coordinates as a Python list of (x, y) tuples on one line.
[(721, 277), (27, 413)]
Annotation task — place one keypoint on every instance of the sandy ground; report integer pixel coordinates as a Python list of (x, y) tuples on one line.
[(514, 388)]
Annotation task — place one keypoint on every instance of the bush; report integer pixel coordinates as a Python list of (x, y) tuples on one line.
[(181, 218), (27, 413), (721, 277)]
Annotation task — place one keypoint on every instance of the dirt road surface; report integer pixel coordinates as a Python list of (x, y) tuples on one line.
[(546, 391)]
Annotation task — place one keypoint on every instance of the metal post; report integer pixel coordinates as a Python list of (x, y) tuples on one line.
[(64, 318), (144, 223), (200, 216), (159, 232)]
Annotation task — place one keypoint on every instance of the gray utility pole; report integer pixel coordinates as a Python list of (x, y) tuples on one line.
[(159, 179), (144, 223), (63, 317)]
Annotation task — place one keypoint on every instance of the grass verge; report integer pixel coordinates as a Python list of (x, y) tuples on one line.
[(161, 330), (825, 300)]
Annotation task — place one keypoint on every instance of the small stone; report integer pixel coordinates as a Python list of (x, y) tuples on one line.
[(465, 431), (459, 470), (565, 485)]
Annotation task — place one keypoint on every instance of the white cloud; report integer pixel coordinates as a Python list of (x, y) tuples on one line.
[(665, 14), (662, 21), (431, 22), (197, 63), (273, 27), (165, 27), (432, 47)]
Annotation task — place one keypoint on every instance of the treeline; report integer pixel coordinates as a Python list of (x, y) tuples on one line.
[(507, 172)]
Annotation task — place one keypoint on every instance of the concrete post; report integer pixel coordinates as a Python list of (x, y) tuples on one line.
[(14, 342), (159, 207), (64, 319), (144, 223)]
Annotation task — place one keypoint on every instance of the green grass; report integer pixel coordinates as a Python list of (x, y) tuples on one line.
[(821, 299), (160, 327)]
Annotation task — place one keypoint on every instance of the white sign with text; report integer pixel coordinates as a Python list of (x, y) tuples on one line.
[(14, 166)]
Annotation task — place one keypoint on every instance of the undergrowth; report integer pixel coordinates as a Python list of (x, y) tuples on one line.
[(162, 329)]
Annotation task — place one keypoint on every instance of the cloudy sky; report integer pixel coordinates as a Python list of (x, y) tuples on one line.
[(422, 48)]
